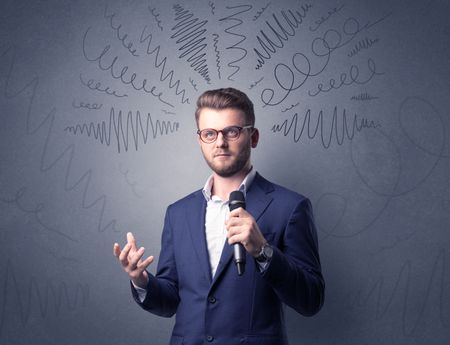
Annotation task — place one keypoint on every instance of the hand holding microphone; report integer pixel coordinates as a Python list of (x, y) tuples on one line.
[(243, 231)]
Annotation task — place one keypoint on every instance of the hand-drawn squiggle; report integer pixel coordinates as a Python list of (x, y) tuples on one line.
[(216, 49), (237, 46), (363, 97), (64, 296), (376, 291), (103, 131), (268, 45), (358, 124), (190, 30), (67, 154), (362, 45), (163, 75), (156, 17)]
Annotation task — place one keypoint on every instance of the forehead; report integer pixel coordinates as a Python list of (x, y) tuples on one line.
[(215, 118)]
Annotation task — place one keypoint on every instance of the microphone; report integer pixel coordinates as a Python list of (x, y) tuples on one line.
[(237, 200)]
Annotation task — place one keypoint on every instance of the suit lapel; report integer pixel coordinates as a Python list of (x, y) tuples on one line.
[(196, 224), (257, 200)]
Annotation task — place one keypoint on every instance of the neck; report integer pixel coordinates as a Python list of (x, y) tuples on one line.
[(223, 186)]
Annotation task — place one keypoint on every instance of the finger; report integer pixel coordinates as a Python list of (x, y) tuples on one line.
[(123, 257), (131, 240), (145, 263), (133, 261), (116, 250)]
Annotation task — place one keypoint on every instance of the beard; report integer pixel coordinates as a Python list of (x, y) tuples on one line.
[(227, 169)]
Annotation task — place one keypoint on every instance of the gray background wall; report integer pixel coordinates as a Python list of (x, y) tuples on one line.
[(89, 151)]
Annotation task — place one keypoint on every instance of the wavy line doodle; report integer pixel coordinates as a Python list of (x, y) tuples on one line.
[(122, 75), (156, 17), (362, 45), (216, 49), (292, 19), (230, 30), (363, 97), (402, 289), (158, 63), (103, 131), (97, 87), (189, 32), (117, 28), (63, 295), (89, 106), (194, 85), (256, 83), (212, 7), (260, 12), (67, 154), (312, 130), (323, 19)]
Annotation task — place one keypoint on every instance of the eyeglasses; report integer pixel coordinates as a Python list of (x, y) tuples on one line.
[(209, 135)]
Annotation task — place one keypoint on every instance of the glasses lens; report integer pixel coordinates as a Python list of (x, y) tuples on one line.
[(208, 135), (231, 132)]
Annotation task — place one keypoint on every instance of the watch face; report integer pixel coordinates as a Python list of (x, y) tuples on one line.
[(268, 251)]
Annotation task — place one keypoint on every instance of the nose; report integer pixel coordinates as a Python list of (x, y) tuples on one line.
[(221, 141)]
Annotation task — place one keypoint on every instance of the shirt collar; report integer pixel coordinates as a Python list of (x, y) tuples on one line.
[(243, 187)]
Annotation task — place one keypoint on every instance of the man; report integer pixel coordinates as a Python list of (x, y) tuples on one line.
[(196, 278)]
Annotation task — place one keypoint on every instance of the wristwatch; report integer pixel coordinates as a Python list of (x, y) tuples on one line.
[(265, 254)]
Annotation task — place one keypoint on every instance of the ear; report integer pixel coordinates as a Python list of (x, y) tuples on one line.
[(255, 137)]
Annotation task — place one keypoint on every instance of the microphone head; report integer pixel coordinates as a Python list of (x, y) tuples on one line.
[(237, 199)]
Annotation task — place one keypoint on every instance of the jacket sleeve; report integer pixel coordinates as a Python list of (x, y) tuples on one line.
[(162, 297), (294, 271)]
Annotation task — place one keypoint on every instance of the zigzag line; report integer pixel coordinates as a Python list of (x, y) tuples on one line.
[(103, 131), (190, 31), (231, 17), (68, 153)]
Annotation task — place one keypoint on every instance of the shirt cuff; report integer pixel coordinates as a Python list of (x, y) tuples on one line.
[(142, 293)]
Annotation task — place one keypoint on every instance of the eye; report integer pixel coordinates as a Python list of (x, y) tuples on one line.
[(231, 132), (208, 133)]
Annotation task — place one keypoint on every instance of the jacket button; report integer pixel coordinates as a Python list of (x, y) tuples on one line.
[(212, 299), (210, 338)]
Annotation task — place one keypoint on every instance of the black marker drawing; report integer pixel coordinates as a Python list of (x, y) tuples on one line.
[(260, 12), (347, 79), (52, 298), (97, 86), (301, 69), (117, 28), (292, 20), (194, 85), (67, 154), (122, 75), (133, 130), (256, 83), (323, 19), (89, 106), (132, 184), (363, 97), (190, 33), (311, 130), (291, 107), (213, 7), (156, 17), (231, 31), (147, 37), (362, 45), (216, 49)]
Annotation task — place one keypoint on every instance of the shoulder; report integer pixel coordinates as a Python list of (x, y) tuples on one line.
[(278, 192), (192, 199)]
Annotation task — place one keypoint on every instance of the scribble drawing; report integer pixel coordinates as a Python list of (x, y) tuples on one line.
[(51, 298), (67, 154), (363, 97), (134, 127), (216, 49), (158, 63), (190, 32), (404, 291), (339, 130), (362, 45), (231, 30), (280, 32)]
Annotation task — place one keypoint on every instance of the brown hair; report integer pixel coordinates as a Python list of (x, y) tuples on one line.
[(226, 98)]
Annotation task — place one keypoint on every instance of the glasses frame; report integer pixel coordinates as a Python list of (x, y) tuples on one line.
[(239, 128)]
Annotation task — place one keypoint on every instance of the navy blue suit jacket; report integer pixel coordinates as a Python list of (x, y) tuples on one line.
[(230, 309)]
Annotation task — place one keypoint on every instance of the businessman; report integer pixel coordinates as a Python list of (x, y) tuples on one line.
[(196, 277)]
